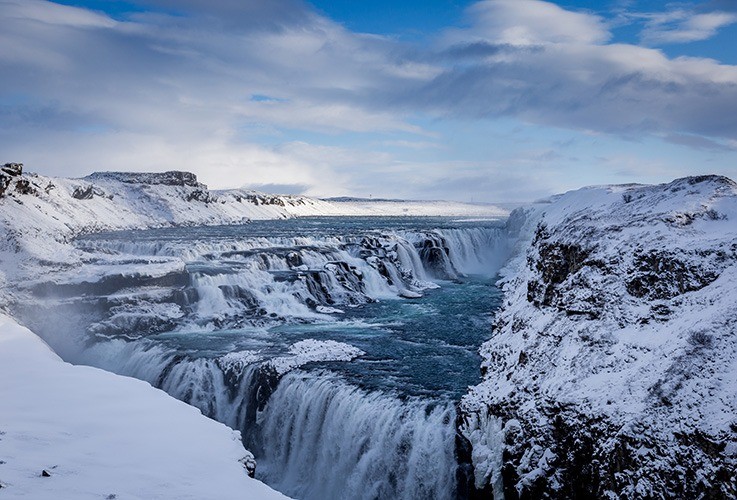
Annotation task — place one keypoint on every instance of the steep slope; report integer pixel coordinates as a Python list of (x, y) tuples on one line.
[(612, 368), (79, 432)]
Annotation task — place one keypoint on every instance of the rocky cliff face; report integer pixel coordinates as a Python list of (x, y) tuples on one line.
[(612, 367), (171, 178)]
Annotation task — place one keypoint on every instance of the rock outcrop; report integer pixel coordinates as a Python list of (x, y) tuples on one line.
[(612, 367), (9, 172), (170, 178)]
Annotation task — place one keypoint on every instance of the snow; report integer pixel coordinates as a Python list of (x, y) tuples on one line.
[(236, 361), (392, 208), (621, 306), (311, 351), (101, 435), (41, 222)]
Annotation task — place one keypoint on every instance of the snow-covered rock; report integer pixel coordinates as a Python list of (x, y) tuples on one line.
[(79, 432), (311, 351), (612, 367), (40, 214)]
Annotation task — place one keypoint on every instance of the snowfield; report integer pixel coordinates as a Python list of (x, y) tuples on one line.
[(99, 435), (612, 367)]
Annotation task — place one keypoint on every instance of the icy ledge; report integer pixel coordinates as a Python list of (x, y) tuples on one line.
[(612, 367), (98, 435), (311, 351)]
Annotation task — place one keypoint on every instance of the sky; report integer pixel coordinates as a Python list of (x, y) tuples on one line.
[(484, 101)]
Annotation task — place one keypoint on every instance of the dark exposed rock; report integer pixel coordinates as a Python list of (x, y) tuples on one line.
[(201, 195), (12, 169), (249, 463), (24, 186), (89, 192), (435, 256), (8, 173), (465, 479), (559, 282), (45, 473), (662, 275), (170, 178), (271, 199), (4, 184), (294, 259), (264, 199), (592, 458), (83, 193)]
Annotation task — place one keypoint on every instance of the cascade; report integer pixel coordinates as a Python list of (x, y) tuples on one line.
[(315, 434)]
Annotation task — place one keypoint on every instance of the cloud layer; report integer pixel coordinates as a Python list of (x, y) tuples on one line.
[(240, 91)]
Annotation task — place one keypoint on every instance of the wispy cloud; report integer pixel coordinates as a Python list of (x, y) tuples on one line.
[(682, 26)]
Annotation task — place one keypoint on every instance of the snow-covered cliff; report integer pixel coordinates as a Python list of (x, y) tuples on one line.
[(612, 367)]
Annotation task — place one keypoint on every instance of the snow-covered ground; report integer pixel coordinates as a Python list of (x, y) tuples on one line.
[(39, 215), (612, 368), (99, 435), (388, 208)]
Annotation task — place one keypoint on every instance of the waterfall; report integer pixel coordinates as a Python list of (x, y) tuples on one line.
[(235, 280), (326, 439), (315, 435)]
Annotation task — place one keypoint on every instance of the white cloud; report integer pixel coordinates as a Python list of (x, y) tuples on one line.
[(529, 22), (40, 11), (574, 80), (682, 26), (83, 92)]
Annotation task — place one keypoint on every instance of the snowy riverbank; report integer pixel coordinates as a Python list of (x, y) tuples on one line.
[(99, 435)]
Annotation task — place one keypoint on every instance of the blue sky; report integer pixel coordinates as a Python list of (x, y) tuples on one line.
[(497, 100)]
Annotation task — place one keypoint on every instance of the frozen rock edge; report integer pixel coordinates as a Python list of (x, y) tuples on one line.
[(612, 367)]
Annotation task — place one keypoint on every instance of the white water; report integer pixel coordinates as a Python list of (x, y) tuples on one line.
[(324, 439), (317, 437)]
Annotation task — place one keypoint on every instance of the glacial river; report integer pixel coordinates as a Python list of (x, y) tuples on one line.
[(338, 346)]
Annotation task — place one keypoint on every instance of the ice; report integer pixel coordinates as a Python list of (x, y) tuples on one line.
[(312, 350)]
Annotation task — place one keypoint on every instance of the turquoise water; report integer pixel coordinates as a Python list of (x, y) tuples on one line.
[(416, 347), (419, 347), (171, 303)]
